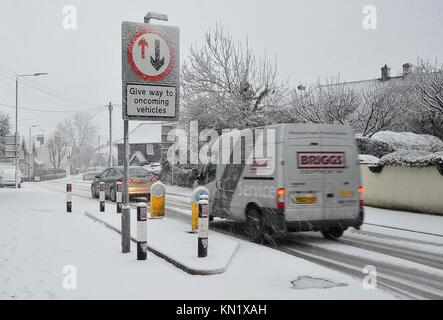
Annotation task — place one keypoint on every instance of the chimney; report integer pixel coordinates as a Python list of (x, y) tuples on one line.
[(407, 69), (385, 73)]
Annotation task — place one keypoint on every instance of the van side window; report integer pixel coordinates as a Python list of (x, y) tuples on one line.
[(212, 170)]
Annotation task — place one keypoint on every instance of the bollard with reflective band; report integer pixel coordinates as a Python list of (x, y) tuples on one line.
[(157, 204), (69, 197), (194, 203), (118, 197), (102, 196), (142, 231), (203, 225)]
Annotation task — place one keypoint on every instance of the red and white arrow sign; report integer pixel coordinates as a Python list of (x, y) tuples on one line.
[(150, 55)]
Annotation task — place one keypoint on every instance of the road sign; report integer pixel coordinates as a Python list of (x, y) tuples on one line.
[(150, 72)]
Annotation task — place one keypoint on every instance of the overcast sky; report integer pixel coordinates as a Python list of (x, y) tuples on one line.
[(311, 39)]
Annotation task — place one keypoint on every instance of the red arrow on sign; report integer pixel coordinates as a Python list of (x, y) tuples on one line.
[(143, 43)]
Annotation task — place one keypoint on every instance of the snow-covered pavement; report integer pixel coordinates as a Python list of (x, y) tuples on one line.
[(391, 248), (39, 242), (398, 220)]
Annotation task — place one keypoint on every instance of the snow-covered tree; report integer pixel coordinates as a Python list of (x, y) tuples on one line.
[(79, 134), (425, 100), (427, 86), (4, 130), (332, 103), (381, 106), (226, 85), (57, 146), (4, 124)]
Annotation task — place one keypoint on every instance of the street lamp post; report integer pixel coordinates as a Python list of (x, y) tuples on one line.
[(16, 120), (31, 152)]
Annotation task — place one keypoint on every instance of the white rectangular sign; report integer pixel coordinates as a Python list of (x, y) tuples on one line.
[(151, 100)]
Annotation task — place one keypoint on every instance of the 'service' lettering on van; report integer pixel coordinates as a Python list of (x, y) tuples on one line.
[(321, 160), (256, 190)]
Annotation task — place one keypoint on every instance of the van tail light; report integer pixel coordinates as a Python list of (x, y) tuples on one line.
[(281, 198), (361, 191)]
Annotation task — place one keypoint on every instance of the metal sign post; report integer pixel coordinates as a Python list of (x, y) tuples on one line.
[(150, 85), (126, 210)]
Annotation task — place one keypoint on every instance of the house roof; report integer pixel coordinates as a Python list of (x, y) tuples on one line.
[(140, 157)]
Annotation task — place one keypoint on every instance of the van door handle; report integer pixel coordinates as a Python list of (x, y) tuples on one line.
[(330, 195)]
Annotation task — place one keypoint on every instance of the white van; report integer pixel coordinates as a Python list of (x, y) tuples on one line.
[(306, 179)]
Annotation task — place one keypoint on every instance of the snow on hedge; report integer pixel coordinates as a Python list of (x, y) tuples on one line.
[(403, 148), (413, 158), (409, 141)]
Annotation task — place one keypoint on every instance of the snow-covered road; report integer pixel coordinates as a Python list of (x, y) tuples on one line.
[(42, 246), (407, 252)]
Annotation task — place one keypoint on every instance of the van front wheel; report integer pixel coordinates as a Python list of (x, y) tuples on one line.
[(332, 234), (255, 226)]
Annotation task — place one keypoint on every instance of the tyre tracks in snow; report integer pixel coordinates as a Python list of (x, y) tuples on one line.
[(403, 280)]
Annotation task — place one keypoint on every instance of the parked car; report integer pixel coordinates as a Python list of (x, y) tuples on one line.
[(139, 182), (7, 177), (154, 168)]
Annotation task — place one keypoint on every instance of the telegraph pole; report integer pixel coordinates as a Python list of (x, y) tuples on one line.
[(110, 108)]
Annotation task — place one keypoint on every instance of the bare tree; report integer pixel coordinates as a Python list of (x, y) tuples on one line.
[(227, 84), (380, 108), (427, 86), (57, 148), (79, 133), (332, 102)]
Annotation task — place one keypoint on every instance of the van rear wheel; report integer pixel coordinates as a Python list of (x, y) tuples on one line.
[(255, 226), (332, 234)]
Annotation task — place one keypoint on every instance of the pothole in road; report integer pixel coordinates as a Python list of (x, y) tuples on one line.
[(308, 282)]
